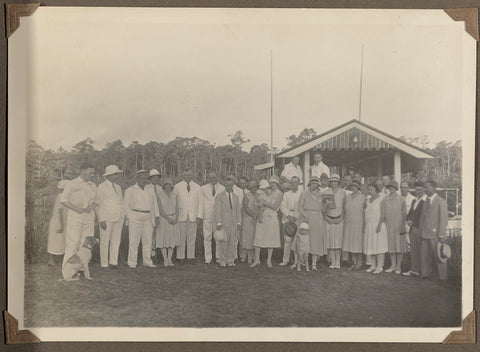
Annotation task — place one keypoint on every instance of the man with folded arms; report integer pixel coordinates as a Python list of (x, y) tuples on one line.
[(143, 215), (110, 214)]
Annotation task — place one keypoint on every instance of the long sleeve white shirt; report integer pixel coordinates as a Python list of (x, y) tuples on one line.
[(291, 170), (110, 202), (142, 200), (289, 205), (318, 170)]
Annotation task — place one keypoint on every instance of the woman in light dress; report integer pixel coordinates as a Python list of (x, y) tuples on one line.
[(353, 228), (375, 243), (267, 229), (168, 231), (311, 211), (334, 217), (249, 220), (56, 228), (394, 212)]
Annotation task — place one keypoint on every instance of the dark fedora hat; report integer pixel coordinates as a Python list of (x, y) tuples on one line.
[(290, 229)]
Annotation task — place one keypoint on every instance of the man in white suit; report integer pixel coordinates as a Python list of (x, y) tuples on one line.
[(110, 214), (206, 206), (143, 215), (187, 192), (240, 189)]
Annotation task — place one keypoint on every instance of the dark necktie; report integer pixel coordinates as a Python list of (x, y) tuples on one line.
[(427, 204), (213, 190), (243, 192), (230, 200), (188, 187), (113, 185)]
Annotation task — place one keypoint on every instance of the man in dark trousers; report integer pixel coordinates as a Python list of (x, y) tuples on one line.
[(433, 225), (413, 221)]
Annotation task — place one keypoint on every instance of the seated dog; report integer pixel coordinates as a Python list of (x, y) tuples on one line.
[(80, 260)]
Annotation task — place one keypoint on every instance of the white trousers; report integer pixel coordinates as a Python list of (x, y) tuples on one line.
[(79, 226), (110, 240), (287, 246), (207, 241), (140, 228), (188, 235)]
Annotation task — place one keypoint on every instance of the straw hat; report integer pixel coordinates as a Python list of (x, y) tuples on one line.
[(112, 170), (153, 172), (392, 184), (314, 180), (355, 183), (141, 172), (264, 184), (444, 252)]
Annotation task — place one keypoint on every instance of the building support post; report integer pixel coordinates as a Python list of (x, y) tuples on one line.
[(397, 166), (306, 168)]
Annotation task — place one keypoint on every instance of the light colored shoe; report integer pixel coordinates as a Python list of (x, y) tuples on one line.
[(299, 268), (283, 264), (132, 266), (378, 271), (307, 268), (398, 272), (314, 268), (369, 270), (293, 266), (331, 266), (207, 261), (254, 264), (150, 266), (390, 270), (269, 264)]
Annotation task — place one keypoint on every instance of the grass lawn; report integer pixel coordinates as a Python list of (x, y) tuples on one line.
[(194, 294)]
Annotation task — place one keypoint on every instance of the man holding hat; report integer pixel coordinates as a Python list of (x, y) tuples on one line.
[(433, 225), (110, 214), (143, 215), (289, 209)]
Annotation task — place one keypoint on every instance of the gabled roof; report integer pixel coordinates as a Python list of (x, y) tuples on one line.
[(383, 140)]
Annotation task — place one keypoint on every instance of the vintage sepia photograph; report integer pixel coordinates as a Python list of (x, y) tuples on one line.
[(243, 168)]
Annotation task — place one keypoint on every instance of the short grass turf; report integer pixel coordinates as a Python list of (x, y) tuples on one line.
[(193, 294)]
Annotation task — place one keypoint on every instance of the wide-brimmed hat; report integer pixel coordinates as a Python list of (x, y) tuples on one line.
[(264, 184), (443, 252), (274, 179), (314, 180), (334, 178), (220, 235), (290, 229), (392, 184), (153, 172), (112, 170), (356, 184), (61, 184), (251, 184), (304, 226), (141, 172)]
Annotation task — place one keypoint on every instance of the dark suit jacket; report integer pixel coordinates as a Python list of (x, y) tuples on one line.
[(434, 219), (414, 215)]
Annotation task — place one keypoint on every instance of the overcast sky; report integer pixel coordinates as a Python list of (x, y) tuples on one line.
[(154, 74)]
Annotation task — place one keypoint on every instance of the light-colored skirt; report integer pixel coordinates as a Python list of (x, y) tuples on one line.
[(267, 233), (166, 235), (335, 235), (373, 242)]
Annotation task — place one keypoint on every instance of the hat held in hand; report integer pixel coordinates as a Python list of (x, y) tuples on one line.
[(220, 235), (290, 229)]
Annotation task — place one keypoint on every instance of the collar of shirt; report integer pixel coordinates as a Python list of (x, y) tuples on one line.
[(432, 197)]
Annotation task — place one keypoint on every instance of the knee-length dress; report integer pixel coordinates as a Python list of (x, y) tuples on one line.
[(56, 240), (353, 223), (311, 205), (267, 233), (167, 235), (374, 243), (335, 231), (394, 208), (247, 235)]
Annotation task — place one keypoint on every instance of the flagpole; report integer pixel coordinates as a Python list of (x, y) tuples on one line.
[(271, 105), (361, 86)]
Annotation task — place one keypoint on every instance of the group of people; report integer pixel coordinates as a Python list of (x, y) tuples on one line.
[(340, 219)]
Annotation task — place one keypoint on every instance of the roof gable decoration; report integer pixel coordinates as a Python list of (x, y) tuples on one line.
[(368, 138)]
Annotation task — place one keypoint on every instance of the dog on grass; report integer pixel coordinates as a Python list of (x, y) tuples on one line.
[(80, 260)]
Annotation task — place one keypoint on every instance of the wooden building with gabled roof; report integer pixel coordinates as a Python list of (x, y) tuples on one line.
[(362, 148)]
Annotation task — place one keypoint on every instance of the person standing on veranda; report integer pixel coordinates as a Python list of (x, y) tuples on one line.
[(293, 169), (335, 221), (375, 243), (433, 226), (111, 214), (79, 198), (413, 220), (240, 189), (318, 168), (289, 209), (168, 232), (143, 215), (267, 230), (353, 228), (228, 217), (187, 192), (56, 228), (249, 220), (207, 195), (311, 209), (394, 216)]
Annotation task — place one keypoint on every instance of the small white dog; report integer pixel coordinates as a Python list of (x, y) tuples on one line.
[(80, 260)]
